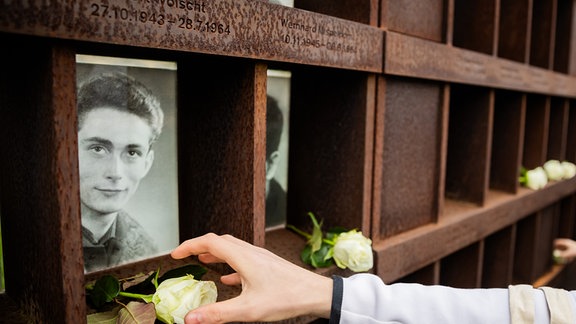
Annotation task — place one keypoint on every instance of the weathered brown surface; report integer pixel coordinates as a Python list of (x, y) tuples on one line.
[(571, 136), (40, 201), (513, 30), (429, 275), (474, 25), (425, 19), (507, 140), (543, 22), (536, 131), (484, 75), (469, 140), (462, 225), (331, 148), (498, 258), (563, 36), (222, 148), (407, 165), (254, 29), (470, 258), (558, 130), (362, 11), (413, 57)]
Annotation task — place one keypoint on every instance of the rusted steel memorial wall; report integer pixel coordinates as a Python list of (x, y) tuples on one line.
[(252, 29), (408, 120)]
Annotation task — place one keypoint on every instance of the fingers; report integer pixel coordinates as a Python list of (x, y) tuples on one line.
[(222, 312), (232, 279), (207, 315), (209, 258), (212, 247), (565, 245), (195, 246), (264, 277), (562, 242), (564, 250)]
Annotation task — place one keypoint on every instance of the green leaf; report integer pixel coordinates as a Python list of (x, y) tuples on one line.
[(329, 254), (316, 240), (146, 298), (192, 269), (155, 280), (298, 231), (108, 317), (522, 178), (105, 290), (322, 258), (334, 232), (137, 313), (319, 259), (306, 255)]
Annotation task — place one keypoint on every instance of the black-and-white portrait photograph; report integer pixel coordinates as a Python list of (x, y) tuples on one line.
[(127, 157), (277, 123)]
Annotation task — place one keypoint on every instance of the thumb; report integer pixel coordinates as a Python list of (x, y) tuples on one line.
[(216, 313)]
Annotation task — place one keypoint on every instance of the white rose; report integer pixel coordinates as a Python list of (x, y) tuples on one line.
[(536, 178), (353, 250), (569, 169), (554, 170), (175, 297), (556, 256)]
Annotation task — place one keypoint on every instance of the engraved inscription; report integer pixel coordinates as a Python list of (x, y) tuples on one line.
[(313, 37), (472, 66), (190, 5), (183, 21), (510, 74), (102, 10), (242, 28)]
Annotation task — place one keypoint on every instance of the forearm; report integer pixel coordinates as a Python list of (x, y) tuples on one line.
[(318, 298), (366, 299)]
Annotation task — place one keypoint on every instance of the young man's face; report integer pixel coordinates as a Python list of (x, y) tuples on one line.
[(114, 155)]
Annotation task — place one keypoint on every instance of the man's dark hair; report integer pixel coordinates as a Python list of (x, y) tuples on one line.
[(121, 92), (274, 125)]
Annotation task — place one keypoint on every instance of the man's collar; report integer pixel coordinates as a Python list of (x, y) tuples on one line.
[(88, 236)]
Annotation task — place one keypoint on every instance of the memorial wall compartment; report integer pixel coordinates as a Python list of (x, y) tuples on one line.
[(493, 128), (421, 150)]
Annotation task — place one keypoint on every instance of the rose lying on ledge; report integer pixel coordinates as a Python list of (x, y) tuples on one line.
[(534, 179), (552, 170), (175, 294), (354, 251), (175, 297), (348, 249)]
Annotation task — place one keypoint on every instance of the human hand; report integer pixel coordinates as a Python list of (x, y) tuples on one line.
[(273, 289), (564, 250)]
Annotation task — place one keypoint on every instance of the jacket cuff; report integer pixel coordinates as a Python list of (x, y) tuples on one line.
[(337, 293)]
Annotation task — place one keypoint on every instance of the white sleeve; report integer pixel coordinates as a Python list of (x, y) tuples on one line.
[(364, 298)]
